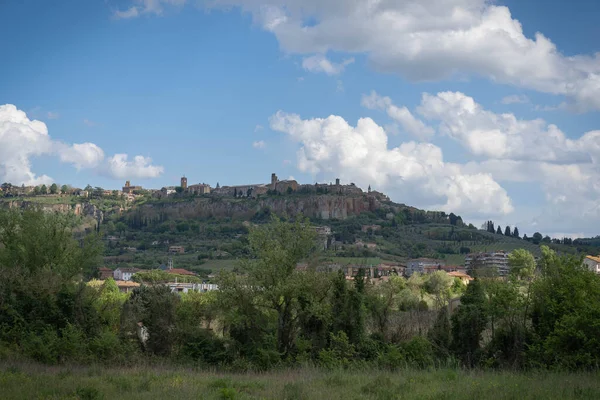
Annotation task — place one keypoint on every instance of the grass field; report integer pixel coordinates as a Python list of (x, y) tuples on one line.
[(91, 383)]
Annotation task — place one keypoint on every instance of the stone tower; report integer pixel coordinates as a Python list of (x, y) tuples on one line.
[(127, 184), (184, 182), (273, 181)]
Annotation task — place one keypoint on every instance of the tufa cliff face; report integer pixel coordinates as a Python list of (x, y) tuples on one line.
[(79, 209), (316, 206)]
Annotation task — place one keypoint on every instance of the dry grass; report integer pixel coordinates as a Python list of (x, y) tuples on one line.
[(20, 381)]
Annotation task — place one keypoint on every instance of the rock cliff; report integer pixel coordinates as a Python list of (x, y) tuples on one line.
[(317, 206)]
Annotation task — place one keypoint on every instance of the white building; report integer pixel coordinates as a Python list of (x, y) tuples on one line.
[(592, 263), (124, 274), (191, 287), (494, 259), (419, 265)]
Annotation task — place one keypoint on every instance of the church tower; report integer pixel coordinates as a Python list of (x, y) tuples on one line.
[(184, 182)]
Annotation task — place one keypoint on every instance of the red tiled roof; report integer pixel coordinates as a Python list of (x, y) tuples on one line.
[(460, 275)]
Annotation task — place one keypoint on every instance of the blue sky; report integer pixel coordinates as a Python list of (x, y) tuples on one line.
[(232, 94)]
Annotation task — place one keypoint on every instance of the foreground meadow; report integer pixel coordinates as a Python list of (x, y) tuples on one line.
[(22, 381)]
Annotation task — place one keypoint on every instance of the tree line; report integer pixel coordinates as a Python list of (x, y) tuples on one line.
[(546, 314)]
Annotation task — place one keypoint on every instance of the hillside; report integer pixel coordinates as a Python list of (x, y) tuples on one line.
[(364, 228)]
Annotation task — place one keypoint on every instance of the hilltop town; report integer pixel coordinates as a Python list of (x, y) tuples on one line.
[(130, 192), (201, 229)]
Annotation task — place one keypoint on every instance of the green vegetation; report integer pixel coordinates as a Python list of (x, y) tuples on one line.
[(30, 381), (270, 314)]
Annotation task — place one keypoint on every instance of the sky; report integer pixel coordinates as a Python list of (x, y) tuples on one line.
[(488, 109)]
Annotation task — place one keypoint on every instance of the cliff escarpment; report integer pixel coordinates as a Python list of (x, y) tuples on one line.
[(314, 206)]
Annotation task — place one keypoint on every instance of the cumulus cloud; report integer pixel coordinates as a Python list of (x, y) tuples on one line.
[(320, 63), (412, 172), (22, 139), (515, 99), (85, 155), (141, 167), (425, 40), (401, 115), (259, 144), (504, 136), (422, 40)]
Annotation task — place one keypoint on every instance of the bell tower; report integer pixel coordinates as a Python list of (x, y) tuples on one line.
[(184, 182)]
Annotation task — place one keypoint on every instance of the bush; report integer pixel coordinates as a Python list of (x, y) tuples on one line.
[(340, 352), (418, 352), (201, 345)]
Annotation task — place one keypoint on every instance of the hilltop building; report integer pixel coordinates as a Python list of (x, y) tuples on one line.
[(183, 183), (201, 188), (128, 188)]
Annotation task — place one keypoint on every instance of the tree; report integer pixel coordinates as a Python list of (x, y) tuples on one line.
[(440, 334), (468, 322), (54, 188), (37, 249), (521, 263), (507, 231), (43, 189), (64, 189), (120, 227), (453, 219), (499, 230), (537, 238), (36, 190), (382, 300), (272, 281), (155, 308), (566, 309), (179, 189), (88, 188), (516, 232), (438, 284), (547, 239)]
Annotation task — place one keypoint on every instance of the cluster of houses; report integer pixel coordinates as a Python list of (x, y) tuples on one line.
[(123, 278)]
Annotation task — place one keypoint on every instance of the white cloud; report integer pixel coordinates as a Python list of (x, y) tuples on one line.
[(22, 139), (401, 115), (504, 136), (85, 155), (52, 115), (258, 128), (515, 99), (425, 40), (320, 63), (131, 12), (339, 87), (413, 172), (259, 144), (120, 167), (89, 123)]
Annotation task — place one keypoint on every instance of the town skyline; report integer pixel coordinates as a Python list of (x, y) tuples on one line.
[(493, 115)]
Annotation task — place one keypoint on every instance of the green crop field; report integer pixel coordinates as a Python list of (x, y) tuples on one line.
[(92, 383)]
